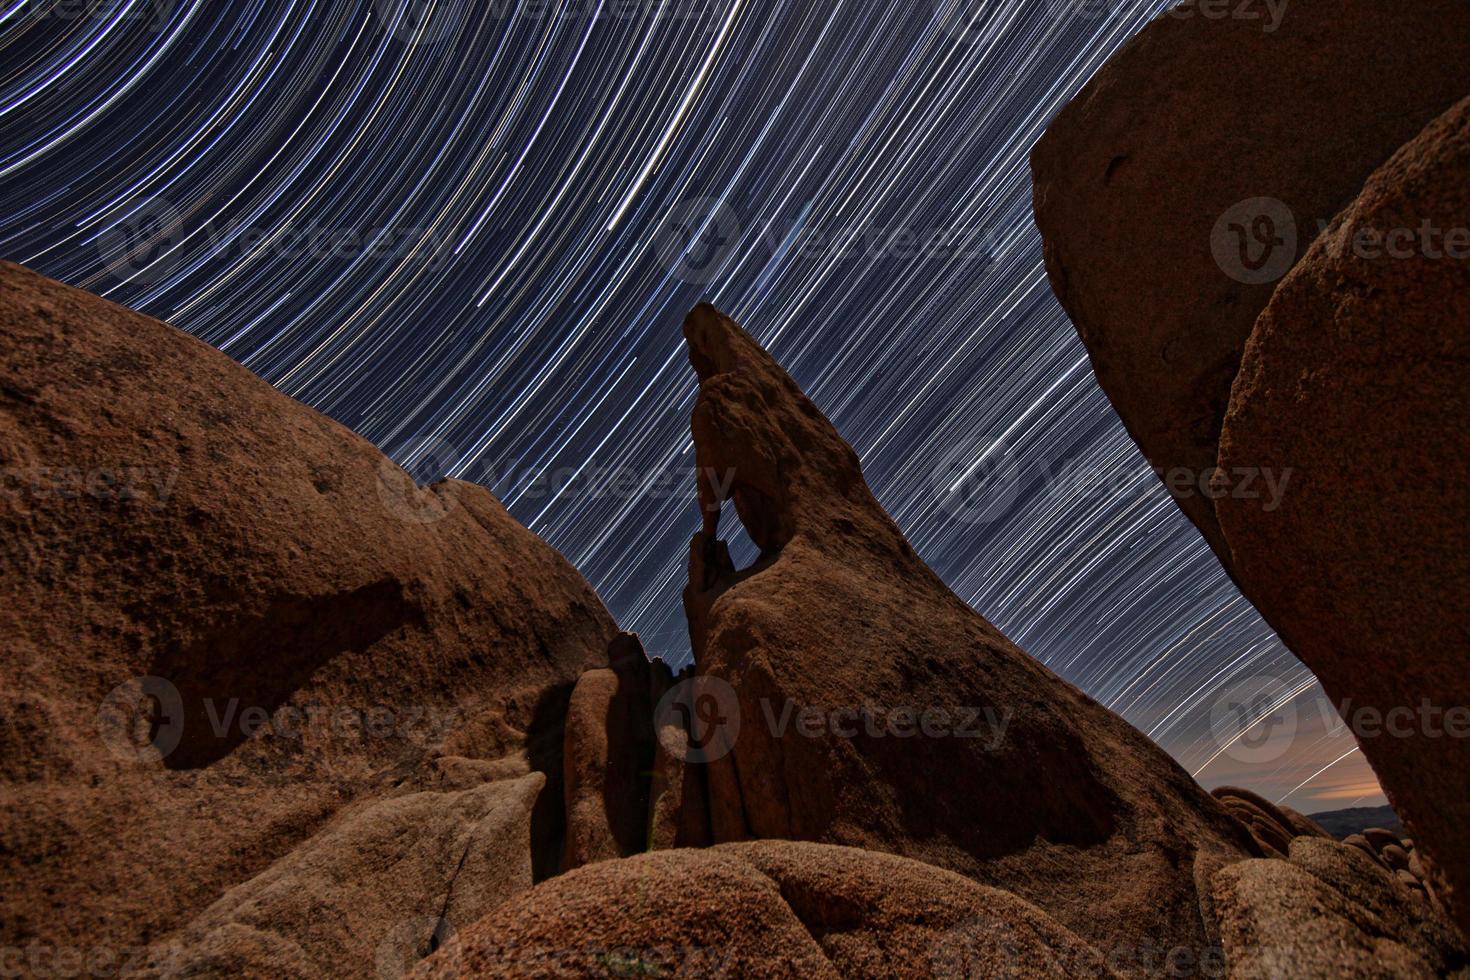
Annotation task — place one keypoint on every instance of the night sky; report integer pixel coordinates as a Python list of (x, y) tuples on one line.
[(469, 230)]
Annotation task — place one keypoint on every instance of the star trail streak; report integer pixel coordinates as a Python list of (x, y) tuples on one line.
[(469, 230)]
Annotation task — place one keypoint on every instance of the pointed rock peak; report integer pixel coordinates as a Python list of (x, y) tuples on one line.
[(761, 442), (841, 625), (717, 343)]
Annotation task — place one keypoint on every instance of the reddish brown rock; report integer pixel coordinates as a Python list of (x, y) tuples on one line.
[(1329, 911), (1362, 844), (1301, 824), (1156, 177), (1357, 378), (678, 799), (876, 709), (1272, 826), (169, 515), (609, 755), (1379, 838), (764, 909), (1396, 857), (378, 885)]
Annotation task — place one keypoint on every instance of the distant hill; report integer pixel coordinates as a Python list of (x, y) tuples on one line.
[(1340, 823)]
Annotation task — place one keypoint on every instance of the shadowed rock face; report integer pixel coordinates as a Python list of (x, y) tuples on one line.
[(1144, 185), (876, 709), (765, 909), (609, 755), (1357, 377), (1199, 167), (168, 515)]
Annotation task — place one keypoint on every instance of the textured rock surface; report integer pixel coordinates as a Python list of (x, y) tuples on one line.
[(765, 909), (876, 709), (167, 514), (1357, 376), (1195, 115), (373, 889), (609, 755), (1328, 911), (1272, 826)]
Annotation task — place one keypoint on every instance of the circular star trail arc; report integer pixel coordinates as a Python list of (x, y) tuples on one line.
[(448, 225)]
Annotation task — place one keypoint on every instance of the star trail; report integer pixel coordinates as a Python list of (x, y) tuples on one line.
[(470, 230)]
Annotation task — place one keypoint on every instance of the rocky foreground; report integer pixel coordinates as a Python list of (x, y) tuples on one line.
[(268, 708), (1309, 191), (454, 763)]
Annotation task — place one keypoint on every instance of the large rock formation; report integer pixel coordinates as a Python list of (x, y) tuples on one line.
[(1329, 911), (876, 709), (376, 888), (226, 617), (1357, 378), (1328, 469), (609, 755), (1197, 165), (1272, 826), (764, 909)]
